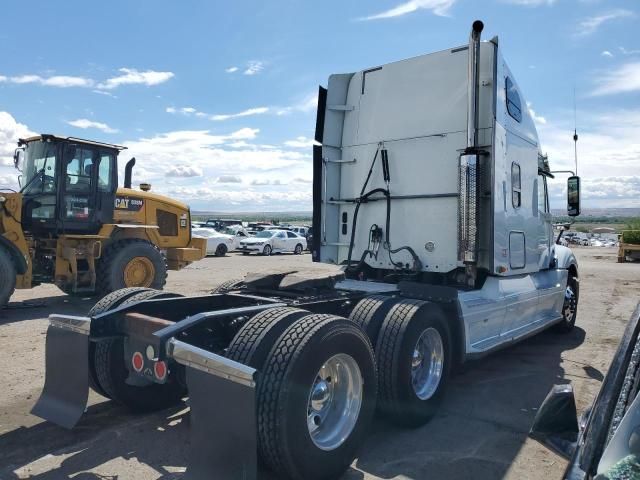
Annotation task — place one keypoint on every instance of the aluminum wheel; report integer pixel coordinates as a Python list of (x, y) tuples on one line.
[(334, 402), (570, 305), (427, 364)]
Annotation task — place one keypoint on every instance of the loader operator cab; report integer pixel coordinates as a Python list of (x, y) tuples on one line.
[(68, 184)]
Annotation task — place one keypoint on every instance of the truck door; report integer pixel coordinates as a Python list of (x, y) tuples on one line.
[(78, 200), (545, 229)]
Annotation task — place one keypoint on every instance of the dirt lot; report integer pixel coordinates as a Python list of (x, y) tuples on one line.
[(480, 433)]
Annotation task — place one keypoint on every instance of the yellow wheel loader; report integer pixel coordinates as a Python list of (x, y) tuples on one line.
[(71, 225)]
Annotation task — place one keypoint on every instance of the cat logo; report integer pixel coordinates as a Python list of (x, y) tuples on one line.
[(130, 204)]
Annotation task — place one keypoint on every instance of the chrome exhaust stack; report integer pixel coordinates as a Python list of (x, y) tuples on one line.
[(469, 181)]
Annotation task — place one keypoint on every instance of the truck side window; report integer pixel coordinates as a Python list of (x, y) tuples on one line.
[(542, 195), (514, 106), (516, 185)]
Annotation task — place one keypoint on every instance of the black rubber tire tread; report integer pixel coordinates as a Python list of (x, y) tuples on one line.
[(563, 326), (275, 383), (7, 277), (109, 361), (221, 250), (295, 250), (395, 393), (267, 250), (370, 312), (109, 302), (227, 286), (110, 266), (254, 340)]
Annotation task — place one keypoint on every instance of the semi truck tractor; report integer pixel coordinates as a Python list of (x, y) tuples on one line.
[(430, 192)]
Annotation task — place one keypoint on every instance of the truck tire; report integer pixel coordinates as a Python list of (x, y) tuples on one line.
[(109, 302), (570, 305), (131, 263), (227, 286), (112, 372), (413, 355), (7, 277), (254, 340), (370, 312), (322, 365)]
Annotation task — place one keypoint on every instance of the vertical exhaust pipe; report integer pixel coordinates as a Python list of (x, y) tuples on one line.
[(469, 180), (127, 172), (474, 84)]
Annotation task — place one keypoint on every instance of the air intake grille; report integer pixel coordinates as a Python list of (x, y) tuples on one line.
[(468, 209)]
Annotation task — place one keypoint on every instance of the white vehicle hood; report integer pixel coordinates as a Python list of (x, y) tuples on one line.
[(254, 240)]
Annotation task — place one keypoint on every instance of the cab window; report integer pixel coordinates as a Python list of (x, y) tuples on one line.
[(543, 202), (516, 190), (79, 170), (514, 106), (105, 172)]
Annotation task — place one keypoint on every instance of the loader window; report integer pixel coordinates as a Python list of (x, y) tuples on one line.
[(514, 106), (516, 188), (167, 223), (79, 169), (105, 169)]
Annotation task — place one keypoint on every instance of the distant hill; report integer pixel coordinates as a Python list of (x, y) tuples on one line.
[(602, 212)]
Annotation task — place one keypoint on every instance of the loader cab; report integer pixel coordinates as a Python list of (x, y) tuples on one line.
[(68, 184)]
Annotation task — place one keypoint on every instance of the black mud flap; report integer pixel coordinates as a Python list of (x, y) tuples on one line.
[(223, 415), (66, 386)]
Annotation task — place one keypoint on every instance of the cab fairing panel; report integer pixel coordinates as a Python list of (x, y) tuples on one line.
[(417, 107)]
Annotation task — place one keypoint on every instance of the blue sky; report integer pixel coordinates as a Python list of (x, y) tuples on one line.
[(217, 99)]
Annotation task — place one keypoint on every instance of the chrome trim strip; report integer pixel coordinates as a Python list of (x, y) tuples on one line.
[(71, 323)]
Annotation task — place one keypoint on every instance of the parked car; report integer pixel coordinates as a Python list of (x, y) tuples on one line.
[(302, 231), (605, 443), (237, 231), (218, 244), (267, 242)]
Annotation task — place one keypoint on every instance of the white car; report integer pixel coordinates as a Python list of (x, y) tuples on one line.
[(218, 244), (267, 242)]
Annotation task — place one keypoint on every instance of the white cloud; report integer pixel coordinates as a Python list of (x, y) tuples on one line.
[(218, 117), (300, 142), (624, 51), (229, 179), (307, 104), (538, 119), (607, 53), (590, 25), (254, 67), (245, 113), (60, 81), (85, 123), (105, 93), (131, 76), (10, 132), (437, 7), (184, 171), (231, 69), (624, 79)]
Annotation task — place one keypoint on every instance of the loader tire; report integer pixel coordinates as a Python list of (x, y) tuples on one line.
[(227, 286), (131, 263), (112, 372), (410, 327), (321, 355), (370, 312), (254, 340), (109, 302), (7, 277)]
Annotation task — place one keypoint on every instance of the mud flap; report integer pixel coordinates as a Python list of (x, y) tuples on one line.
[(66, 388), (223, 415)]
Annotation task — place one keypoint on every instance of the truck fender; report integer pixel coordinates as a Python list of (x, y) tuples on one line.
[(565, 259), (18, 259)]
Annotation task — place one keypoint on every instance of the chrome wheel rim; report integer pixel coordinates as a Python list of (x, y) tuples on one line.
[(427, 364), (570, 305), (334, 402)]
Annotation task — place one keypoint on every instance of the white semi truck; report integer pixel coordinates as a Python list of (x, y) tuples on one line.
[(430, 190)]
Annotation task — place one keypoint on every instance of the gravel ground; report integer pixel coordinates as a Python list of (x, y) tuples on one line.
[(480, 432)]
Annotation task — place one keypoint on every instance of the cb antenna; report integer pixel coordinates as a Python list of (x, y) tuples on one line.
[(575, 130)]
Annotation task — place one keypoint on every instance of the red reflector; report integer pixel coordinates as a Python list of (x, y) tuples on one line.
[(160, 370), (137, 362)]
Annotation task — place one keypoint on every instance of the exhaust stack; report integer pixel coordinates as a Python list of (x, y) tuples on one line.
[(127, 172), (469, 181)]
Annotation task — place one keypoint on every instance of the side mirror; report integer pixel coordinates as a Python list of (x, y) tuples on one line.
[(573, 196), (18, 158), (556, 424)]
